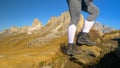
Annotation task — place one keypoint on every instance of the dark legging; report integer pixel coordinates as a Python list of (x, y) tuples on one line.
[(75, 6)]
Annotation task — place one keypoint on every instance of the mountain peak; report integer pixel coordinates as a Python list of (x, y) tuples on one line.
[(36, 22)]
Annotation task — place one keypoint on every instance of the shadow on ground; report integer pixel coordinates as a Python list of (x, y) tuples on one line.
[(110, 60)]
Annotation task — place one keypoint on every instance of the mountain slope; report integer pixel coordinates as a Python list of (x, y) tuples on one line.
[(42, 48)]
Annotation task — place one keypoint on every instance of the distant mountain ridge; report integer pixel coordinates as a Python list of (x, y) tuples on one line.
[(103, 28), (56, 24)]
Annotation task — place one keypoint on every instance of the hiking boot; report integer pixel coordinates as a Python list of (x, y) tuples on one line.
[(72, 50), (83, 39)]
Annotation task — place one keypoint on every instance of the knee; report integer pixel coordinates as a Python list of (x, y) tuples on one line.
[(74, 20), (75, 24), (93, 15), (96, 12)]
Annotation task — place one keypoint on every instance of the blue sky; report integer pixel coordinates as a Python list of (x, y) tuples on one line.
[(22, 12)]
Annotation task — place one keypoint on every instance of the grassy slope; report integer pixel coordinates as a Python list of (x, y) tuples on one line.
[(15, 52)]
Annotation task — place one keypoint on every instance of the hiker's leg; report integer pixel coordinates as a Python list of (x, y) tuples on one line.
[(90, 8), (74, 9), (93, 13)]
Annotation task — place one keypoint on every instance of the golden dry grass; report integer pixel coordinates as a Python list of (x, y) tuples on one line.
[(15, 53)]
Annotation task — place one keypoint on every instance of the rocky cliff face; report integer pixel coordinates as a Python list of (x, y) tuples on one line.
[(59, 25), (40, 46), (35, 26)]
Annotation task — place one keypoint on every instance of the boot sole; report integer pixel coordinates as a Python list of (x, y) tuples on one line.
[(83, 43), (72, 54)]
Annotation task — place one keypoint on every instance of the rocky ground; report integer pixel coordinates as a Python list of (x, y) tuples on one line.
[(41, 46), (28, 51)]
